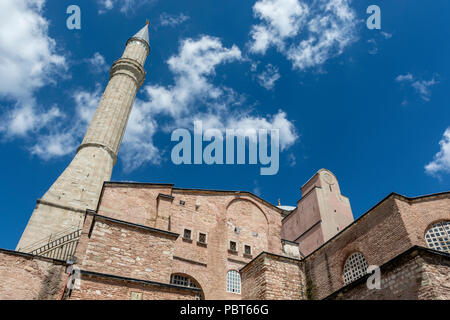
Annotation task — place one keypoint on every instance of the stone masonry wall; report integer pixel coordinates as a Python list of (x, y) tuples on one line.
[(417, 275), (222, 216), (123, 250), (272, 277), (387, 230), (94, 288), (26, 277), (420, 213), (380, 236)]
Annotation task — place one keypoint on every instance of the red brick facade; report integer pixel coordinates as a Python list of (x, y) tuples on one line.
[(136, 241), (223, 216), (273, 277), (415, 274), (390, 228), (26, 277)]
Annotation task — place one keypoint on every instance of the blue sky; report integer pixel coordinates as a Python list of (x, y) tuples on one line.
[(370, 105)]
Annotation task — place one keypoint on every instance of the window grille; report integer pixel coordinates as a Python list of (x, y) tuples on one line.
[(438, 236), (202, 238), (233, 246), (355, 267), (233, 282), (187, 234), (182, 281)]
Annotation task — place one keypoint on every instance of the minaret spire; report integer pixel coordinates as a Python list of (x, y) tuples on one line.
[(143, 33), (79, 186)]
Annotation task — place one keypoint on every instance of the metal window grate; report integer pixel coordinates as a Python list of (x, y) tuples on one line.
[(202, 237), (247, 250), (187, 234), (233, 246), (182, 281), (438, 236), (355, 267), (233, 282)]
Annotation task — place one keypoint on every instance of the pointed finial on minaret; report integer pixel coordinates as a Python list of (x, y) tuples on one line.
[(143, 33), (148, 22), (279, 202)]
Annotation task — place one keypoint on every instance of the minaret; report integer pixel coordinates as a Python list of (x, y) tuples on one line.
[(78, 188)]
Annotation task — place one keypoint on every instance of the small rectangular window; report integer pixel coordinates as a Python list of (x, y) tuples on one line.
[(187, 234), (202, 238), (247, 250), (136, 296), (182, 202), (233, 246)]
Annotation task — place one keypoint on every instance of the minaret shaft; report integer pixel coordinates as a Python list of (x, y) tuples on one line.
[(78, 188)]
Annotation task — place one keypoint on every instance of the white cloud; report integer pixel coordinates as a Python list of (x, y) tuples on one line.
[(422, 87), (441, 162), (25, 117), (29, 58), (193, 65), (268, 77), (281, 19), (27, 54), (307, 35), (138, 146), (125, 6), (172, 20), (374, 49), (386, 35), (193, 96), (98, 63), (61, 140), (292, 160), (404, 77)]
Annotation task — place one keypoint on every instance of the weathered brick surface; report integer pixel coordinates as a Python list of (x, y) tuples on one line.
[(419, 214), (271, 277), (390, 228), (436, 278), (94, 288), (417, 275), (30, 278), (223, 216), (127, 251)]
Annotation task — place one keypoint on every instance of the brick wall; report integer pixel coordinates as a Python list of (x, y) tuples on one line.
[(272, 277), (26, 277), (223, 216), (103, 288), (417, 274), (390, 228), (420, 213), (117, 248)]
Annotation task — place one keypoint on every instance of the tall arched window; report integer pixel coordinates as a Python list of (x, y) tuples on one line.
[(438, 236), (233, 282), (355, 267)]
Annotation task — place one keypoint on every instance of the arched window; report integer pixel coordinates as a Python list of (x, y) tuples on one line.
[(233, 282), (183, 281), (355, 267), (438, 236)]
